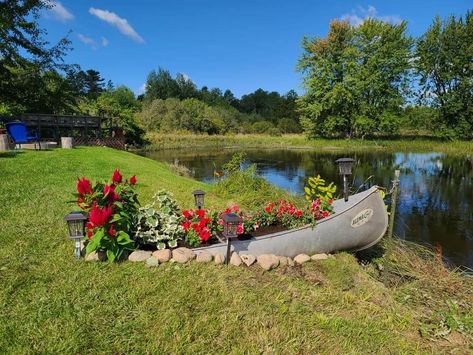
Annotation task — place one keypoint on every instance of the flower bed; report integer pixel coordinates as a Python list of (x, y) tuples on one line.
[(118, 224)]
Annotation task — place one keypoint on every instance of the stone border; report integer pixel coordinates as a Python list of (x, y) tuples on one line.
[(184, 255)]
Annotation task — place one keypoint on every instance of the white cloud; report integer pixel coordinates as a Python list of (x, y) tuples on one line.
[(358, 16), (104, 42), (58, 11), (142, 89), (85, 39), (115, 20)]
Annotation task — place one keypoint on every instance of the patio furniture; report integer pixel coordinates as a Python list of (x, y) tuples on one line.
[(20, 134)]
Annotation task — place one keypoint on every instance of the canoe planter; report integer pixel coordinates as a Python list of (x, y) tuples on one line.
[(357, 224)]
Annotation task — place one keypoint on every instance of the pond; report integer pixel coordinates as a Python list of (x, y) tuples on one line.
[(436, 190)]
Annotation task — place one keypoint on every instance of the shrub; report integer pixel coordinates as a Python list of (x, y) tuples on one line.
[(112, 208), (234, 164), (159, 222)]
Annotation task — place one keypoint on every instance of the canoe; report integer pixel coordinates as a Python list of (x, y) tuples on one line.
[(356, 225)]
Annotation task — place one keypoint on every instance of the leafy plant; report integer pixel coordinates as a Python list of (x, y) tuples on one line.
[(316, 188), (234, 164), (159, 222), (112, 208)]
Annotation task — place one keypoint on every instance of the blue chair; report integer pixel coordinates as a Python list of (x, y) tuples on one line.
[(20, 135)]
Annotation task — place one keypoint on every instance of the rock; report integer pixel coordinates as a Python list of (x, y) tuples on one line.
[(235, 260), (96, 256), (319, 256), (162, 255), (248, 259), (268, 261), (302, 258), (204, 257), (290, 262), (152, 262), (183, 255), (283, 260), (219, 259), (139, 255)]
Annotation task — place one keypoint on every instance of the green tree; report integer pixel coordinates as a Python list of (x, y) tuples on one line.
[(161, 85), (444, 63), (120, 105), (25, 56), (352, 76)]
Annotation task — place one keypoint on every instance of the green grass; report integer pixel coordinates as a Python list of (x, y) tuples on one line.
[(298, 141), (52, 303)]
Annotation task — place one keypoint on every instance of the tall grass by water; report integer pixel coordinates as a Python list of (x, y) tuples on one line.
[(296, 141)]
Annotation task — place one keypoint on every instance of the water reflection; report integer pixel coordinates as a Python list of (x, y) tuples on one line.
[(436, 190)]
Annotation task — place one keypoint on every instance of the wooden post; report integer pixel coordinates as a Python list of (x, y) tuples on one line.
[(397, 173)]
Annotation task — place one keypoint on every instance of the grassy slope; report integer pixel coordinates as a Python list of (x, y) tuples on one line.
[(50, 302), (171, 141)]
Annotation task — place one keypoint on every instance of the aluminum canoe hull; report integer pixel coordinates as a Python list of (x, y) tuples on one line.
[(356, 225)]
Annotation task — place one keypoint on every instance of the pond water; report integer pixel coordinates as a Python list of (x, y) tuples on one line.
[(435, 198)]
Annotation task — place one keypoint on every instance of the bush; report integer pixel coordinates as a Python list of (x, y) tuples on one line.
[(253, 191), (262, 126), (389, 124)]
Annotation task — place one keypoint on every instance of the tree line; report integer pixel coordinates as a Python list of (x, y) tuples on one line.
[(374, 79), (359, 81), (171, 104)]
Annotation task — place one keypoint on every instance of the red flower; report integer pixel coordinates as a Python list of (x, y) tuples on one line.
[(83, 186), (89, 234), (200, 213), (186, 225), (187, 214), (269, 207), (133, 180), (99, 216), (196, 227), (325, 214), (117, 177), (111, 231), (240, 229), (228, 210), (298, 213), (236, 209), (109, 190), (204, 234)]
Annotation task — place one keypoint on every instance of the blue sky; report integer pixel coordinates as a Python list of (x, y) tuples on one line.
[(241, 45)]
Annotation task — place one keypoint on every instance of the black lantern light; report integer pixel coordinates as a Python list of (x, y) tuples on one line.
[(76, 224), (231, 221), (345, 165), (199, 198)]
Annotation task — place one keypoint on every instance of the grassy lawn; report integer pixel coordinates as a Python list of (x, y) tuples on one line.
[(298, 141), (52, 303)]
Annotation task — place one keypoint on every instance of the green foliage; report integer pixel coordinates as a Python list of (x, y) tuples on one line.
[(317, 188), (235, 163), (352, 76), (28, 68), (252, 190), (120, 105), (159, 222), (171, 115), (443, 62)]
